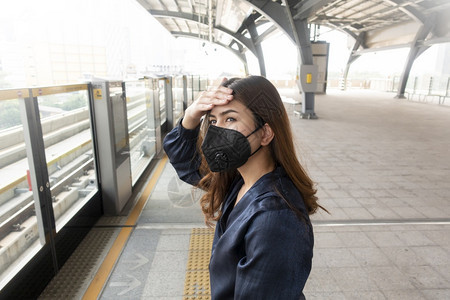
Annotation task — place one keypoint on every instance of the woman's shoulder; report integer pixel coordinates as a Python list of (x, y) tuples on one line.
[(274, 214), (276, 191)]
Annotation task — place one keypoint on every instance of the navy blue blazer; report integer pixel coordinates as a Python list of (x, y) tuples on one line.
[(261, 248)]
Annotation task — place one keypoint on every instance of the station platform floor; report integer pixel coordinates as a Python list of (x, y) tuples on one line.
[(382, 169)]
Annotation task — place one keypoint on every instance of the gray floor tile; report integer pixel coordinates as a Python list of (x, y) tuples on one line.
[(355, 239), (328, 240), (353, 279), (370, 257), (437, 294), (403, 256), (433, 255), (385, 239), (321, 280), (389, 278), (406, 295), (425, 277)]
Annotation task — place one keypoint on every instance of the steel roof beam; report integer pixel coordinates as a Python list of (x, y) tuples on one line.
[(265, 34), (275, 13), (162, 4), (415, 51), (195, 36), (304, 9), (258, 19), (354, 55), (178, 15), (251, 27), (194, 18), (246, 42), (345, 30), (178, 6), (408, 9), (362, 12), (432, 41)]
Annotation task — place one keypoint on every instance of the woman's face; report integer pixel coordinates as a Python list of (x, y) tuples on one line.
[(233, 115)]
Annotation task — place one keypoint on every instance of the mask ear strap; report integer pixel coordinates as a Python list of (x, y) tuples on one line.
[(256, 129), (261, 125), (260, 146)]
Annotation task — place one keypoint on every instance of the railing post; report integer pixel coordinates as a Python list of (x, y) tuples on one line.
[(37, 162), (185, 94), (415, 85), (447, 88), (169, 103), (430, 85)]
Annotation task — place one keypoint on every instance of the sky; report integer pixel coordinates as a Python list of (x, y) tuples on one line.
[(89, 21)]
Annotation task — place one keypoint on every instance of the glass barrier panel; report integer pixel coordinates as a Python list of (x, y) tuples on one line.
[(423, 85), (190, 90), (162, 100), (195, 87), (196, 83), (411, 85), (178, 97), (152, 118), (66, 128), (440, 86), (141, 126), (203, 83), (19, 232)]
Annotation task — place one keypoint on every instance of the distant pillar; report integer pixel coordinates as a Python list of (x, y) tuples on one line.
[(360, 41), (308, 72), (415, 51)]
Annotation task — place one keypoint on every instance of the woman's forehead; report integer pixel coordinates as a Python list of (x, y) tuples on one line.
[(231, 106)]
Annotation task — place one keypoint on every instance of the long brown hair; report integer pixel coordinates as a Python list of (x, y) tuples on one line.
[(262, 98)]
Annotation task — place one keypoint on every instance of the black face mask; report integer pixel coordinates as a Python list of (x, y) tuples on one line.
[(226, 149)]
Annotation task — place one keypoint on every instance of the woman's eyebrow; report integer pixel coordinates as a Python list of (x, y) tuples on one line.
[(224, 112)]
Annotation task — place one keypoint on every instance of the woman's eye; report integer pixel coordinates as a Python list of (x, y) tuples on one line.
[(212, 122), (230, 119)]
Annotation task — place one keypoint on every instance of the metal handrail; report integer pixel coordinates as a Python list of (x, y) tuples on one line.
[(21, 93)]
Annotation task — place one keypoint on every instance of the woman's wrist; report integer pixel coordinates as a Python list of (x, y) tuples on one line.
[(188, 133), (190, 123)]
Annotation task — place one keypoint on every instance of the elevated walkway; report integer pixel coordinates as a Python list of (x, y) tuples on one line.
[(383, 171)]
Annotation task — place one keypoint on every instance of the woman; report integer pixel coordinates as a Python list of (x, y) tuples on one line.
[(255, 188)]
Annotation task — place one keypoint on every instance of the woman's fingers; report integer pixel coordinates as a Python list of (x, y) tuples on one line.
[(221, 93), (219, 96), (204, 103), (205, 107)]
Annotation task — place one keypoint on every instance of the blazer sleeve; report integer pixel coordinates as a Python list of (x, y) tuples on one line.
[(180, 145), (278, 259)]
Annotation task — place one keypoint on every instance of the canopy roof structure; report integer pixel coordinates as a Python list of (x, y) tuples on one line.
[(385, 23), (374, 24)]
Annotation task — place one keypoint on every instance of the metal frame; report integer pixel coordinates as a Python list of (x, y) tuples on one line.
[(35, 148), (45, 262), (358, 18)]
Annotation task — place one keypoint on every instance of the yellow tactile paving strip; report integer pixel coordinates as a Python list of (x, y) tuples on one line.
[(196, 284)]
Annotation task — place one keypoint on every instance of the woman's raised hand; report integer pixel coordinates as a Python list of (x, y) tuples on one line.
[(204, 103)]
